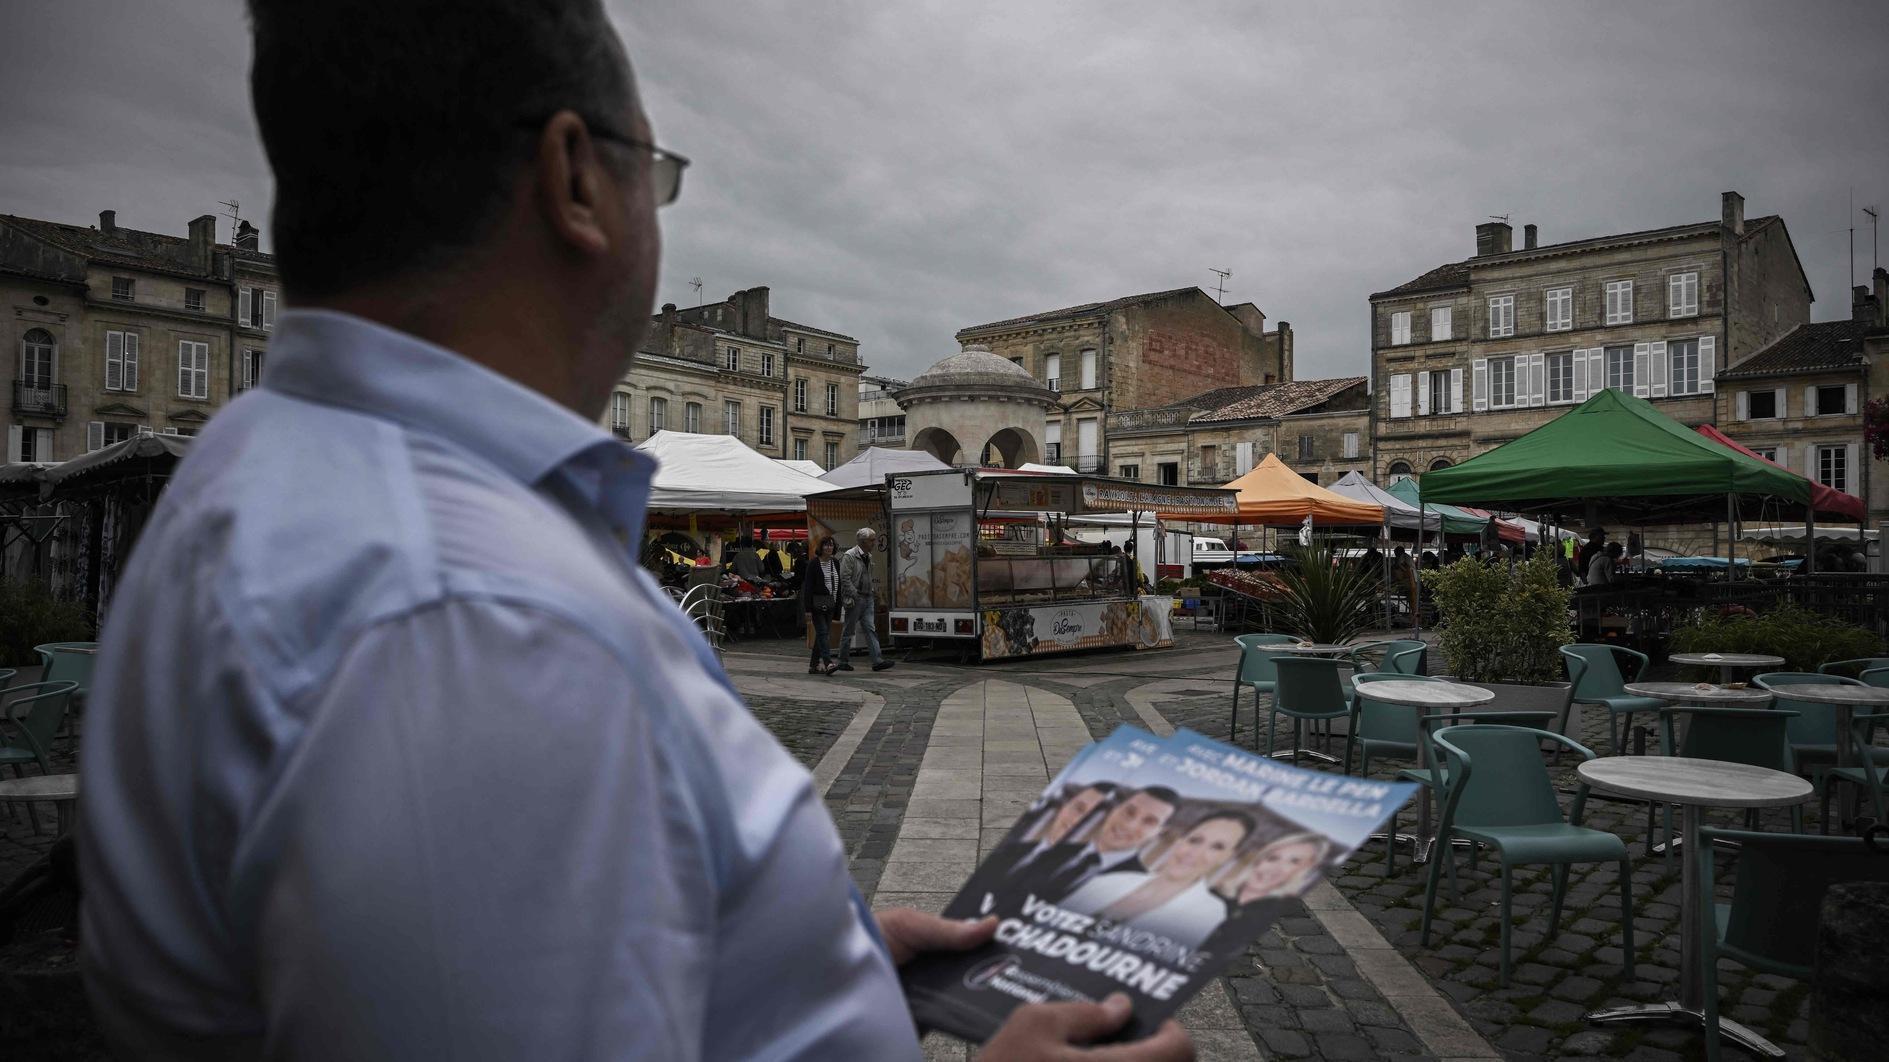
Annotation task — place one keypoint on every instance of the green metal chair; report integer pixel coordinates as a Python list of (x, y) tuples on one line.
[(1867, 773), (1856, 666), (1307, 689), (1255, 671), (1757, 736), (1380, 728), (29, 717), (1813, 732), (68, 662), (1500, 795), (1595, 672), (1434, 774), (1404, 656), (6, 676), (1777, 897), (1875, 676)]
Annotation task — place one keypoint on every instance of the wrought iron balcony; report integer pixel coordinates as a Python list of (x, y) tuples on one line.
[(47, 400)]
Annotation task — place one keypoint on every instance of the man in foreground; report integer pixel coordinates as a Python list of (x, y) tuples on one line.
[(394, 752)]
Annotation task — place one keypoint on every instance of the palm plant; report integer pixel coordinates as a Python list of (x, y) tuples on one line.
[(1325, 598)]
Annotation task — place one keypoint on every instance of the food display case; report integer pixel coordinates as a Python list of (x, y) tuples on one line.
[(983, 557)]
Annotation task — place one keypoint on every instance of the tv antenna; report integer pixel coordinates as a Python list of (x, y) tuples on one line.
[(235, 213), (1220, 292), (696, 283), (1874, 262), (1503, 218)]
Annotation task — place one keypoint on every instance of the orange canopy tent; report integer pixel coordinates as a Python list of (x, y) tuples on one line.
[(1273, 494)]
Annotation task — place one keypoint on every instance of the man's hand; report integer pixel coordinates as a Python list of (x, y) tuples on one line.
[(1053, 1032), (910, 932)]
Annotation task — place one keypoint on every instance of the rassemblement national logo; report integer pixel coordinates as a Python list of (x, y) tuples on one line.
[(981, 975)]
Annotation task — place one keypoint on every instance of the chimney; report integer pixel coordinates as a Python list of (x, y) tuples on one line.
[(202, 241), (247, 237), (752, 312), (107, 220), (1493, 237), (1862, 305), (1731, 212), (1881, 279), (1528, 237)]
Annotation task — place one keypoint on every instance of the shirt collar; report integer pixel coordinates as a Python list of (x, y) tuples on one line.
[(339, 359)]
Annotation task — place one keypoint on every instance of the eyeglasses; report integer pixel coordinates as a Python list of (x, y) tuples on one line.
[(665, 167)]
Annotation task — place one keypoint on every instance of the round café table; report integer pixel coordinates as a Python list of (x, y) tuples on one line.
[(61, 789), (1444, 697), (1727, 662), (1844, 698), (1693, 784), (1701, 695)]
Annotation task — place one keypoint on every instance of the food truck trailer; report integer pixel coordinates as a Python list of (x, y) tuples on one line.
[(985, 558)]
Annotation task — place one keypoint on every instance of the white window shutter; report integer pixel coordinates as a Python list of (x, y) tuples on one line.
[(1783, 455), (1456, 390), (94, 435), (1596, 370), (1656, 357), (1708, 366), (1744, 405), (1641, 355), (1782, 396), (1810, 462), (1538, 379), (1423, 394), (1243, 457), (242, 306), (1810, 401), (130, 371), (114, 360), (268, 310), (1400, 395), (1849, 398), (1479, 384), (1579, 361), (13, 443), (42, 445), (1852, 474), (168, 431)]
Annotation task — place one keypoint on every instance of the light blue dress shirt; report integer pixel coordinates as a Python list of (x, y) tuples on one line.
[(394, 752)]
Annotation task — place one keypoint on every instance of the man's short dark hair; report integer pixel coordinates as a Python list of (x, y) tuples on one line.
[(1163, 794), (397, 128)]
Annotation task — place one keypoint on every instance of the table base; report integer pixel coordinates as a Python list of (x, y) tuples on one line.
[(1729, 1029), (1323, 757)]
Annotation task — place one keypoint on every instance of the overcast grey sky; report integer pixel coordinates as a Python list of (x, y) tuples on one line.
[(897, 171)]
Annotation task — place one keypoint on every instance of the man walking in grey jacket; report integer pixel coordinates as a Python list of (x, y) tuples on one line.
[(856, 598)]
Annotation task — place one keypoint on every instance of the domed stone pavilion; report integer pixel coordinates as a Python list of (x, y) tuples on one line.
[(975, 408)]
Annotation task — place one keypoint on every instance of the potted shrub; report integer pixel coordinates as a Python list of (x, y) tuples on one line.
[(1805, 639), (1504, 630), (29, 616), (1323, 598)]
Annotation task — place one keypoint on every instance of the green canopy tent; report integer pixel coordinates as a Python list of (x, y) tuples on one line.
[(1455, 521), (1615, 457)]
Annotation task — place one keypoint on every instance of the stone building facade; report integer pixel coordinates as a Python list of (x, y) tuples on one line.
[(974, 408), (1475, 353), (112, 331), (788, 390), (1799, 400), (1320, 428), (881, 421), (1138, 352)]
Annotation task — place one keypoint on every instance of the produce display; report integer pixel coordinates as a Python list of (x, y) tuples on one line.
[(1251, 584)]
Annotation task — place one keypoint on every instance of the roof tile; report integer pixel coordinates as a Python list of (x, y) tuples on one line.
[(1820, 346), (1085, 308)]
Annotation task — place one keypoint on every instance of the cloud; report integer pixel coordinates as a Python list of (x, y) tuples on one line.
[(899, 171)]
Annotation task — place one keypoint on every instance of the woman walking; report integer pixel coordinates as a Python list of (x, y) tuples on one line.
[(819, 589)]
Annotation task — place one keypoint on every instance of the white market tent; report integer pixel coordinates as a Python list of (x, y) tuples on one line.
[(1792, 535), (720, 473), (1398, 512), (804, 467), (1047, 470), (874, 463)]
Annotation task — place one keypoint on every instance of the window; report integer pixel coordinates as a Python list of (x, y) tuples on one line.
[(831, 449), (800, 347), (36, 358), (1440, 463), (658, 414), (1440, 323), (1684, 355), (1168, 473), (29, 444), (1830, 401), (767, 363), (100, 434), (1307, 448), (1561, 376), (1351, 445), (1502, 315), (731, 418), (620, 412), (832, 400), (1440, 392), (1400, 328), (800, 395), (1761, 405), (766, 434), (1128, 471), (731, 359), (1619, 302), (1557, 309), (1682, 295), (1769, 453), (252, 374), (1309, 477), (692, 418), (1053, 443), (193, 299), (1088, 370), (829, 354), (1501, 382), (1086, 448), (1209, 460), (1399, 470), (123, 289), (1053, 371), (121, 361), (193, 369), (1620, 368), (1832, 467), (1018, 362), (800, 450)]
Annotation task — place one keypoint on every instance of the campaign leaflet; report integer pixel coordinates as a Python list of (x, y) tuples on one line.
[(1146, 867)]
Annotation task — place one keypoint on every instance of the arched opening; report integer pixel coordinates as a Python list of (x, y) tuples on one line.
[(939, 443), (1441, 462), (1011, 448), (1399, 470)]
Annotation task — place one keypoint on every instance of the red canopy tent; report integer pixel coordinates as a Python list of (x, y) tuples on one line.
[(1825, 500), (1505, 531)]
